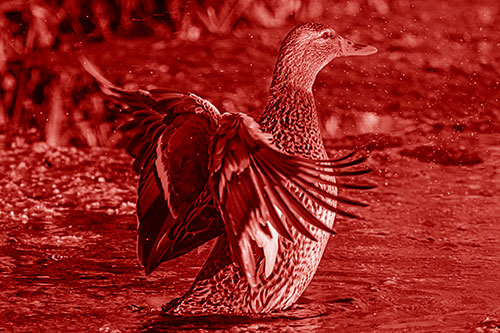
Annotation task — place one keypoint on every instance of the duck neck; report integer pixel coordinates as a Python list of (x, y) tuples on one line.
[(290, 116), (294, 69)]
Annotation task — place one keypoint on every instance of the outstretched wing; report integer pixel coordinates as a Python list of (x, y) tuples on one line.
[(175, 207), (170, 135), (251, 182)]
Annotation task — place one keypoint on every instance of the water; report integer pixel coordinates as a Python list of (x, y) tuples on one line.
[(424, 257)]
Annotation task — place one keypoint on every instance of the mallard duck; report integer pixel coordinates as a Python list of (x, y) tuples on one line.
[(266, 189)]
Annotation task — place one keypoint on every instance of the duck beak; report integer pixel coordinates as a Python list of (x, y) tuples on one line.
[(350, 48)]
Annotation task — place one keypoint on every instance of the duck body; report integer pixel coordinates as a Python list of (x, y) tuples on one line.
[(266, 189), (291, 119)]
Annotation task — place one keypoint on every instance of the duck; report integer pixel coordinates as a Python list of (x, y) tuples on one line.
[(266, 189)]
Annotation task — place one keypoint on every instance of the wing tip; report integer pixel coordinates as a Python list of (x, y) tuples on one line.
[(150, 266), (106, 86)]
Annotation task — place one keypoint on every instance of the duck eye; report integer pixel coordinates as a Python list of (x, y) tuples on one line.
[(327, 35)]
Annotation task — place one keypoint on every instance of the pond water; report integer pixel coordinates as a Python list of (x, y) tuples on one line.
[(425, 255)]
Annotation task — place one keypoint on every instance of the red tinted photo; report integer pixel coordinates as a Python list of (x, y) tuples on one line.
[(249, 165)]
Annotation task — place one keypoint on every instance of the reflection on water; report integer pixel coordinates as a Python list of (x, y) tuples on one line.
[(305, 318)]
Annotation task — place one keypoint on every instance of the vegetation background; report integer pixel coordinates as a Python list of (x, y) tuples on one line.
[(441, 55)]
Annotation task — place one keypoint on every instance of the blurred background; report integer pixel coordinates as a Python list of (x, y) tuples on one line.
[(436, 60)]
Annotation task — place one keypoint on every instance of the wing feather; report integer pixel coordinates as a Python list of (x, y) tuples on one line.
[(201, 173), (170, 133), (260, 191)]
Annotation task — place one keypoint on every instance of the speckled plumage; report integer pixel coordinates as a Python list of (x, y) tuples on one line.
[(290, 117), (265, 189)]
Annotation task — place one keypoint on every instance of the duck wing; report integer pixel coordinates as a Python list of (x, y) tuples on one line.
[(170, 133), (251, 181), (175, 207), (202, 174)]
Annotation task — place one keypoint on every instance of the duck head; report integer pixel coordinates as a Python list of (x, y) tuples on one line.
[(307, 49)]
